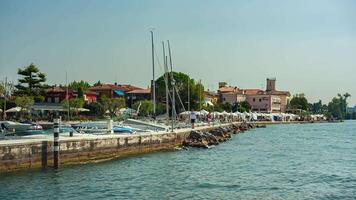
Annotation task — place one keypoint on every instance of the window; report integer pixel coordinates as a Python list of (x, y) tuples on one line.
[(253, 99), (260, 100)]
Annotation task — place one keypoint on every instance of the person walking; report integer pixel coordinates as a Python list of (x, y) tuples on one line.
[(208, 117), (193, 117)]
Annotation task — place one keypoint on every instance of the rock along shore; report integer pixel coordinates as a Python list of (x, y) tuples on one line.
[(217, 135)]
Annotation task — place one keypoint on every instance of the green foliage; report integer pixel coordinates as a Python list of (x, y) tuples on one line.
[(25, 103), (243, 106), (144, 108), (31, 82), (160, 109), (299, 102), (75, 85), (80, 86), (97, 83), (337, 106), (318, 108), (74, 104), (223, 107), (112, 105), (80, 93), (182, 81), (95, 109)]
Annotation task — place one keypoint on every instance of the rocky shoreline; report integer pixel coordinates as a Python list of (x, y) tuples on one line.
[(201, 139)]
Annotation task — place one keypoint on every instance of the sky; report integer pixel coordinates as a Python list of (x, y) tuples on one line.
[(308, 46)]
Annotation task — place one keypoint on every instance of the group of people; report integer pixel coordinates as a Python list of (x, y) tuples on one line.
[(193, 118)]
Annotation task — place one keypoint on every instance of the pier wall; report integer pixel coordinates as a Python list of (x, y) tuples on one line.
[(24, 154)]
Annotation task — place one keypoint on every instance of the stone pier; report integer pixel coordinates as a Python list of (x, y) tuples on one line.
[(22, 154)]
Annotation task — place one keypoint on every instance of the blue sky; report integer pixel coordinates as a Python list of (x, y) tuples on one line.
[(309, 46)]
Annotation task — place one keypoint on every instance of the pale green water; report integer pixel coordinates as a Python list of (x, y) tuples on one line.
[(312, 161)]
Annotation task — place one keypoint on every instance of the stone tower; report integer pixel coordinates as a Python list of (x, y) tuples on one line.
[(271, 84)]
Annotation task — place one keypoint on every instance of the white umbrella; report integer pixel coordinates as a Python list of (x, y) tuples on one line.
[(13, 110), (204, 112), (216, 113), (185, 113), (224, 113), (82, 110)]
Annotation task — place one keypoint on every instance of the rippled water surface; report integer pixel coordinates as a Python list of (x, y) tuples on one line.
[(311, 161)]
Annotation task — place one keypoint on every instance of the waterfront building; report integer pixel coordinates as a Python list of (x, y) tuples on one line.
[(269, 100), (210, 97), (137, 95), (231, 95), (57, 94), (112, 90)]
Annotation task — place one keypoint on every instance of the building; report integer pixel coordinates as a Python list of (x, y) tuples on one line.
[(270, 100), (137, 95), (231, 95), (57, 94), (112, 90), (210, 97)]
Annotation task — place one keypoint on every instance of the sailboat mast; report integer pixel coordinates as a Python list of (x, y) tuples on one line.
[(188, 94), (200, 98), (153, 78), (173, 94), (5, 93), (67, 97), (166, 80)]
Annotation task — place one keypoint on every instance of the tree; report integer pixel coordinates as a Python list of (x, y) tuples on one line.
[(243, 106), (73, 104), (144, 108), (25, 103), (113, 105), (223, 107), (337, 106), (299, 102), (318, 108), (182, 83), (95, 109), (31, 82), (97, 83)]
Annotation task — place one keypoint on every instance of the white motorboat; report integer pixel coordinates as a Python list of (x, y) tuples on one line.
[(14, 126)]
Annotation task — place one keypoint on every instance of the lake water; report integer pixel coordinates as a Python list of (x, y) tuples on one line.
[(310, 161)]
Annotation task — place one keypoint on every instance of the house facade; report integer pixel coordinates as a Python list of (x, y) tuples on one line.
[(137, 95), (58, 94), (112, 90), (269, 100)]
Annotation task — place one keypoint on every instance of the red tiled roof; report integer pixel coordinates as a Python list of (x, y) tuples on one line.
[(140, 91), (226, 89), (252, 91), (210, 93), (124, 88)]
